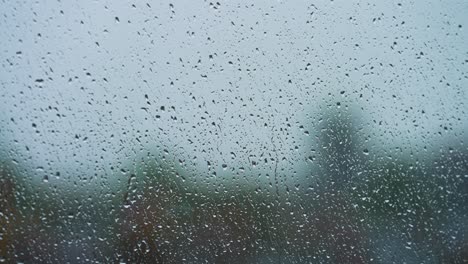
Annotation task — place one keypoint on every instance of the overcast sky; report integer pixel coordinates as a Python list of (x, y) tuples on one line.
[(89, 84)]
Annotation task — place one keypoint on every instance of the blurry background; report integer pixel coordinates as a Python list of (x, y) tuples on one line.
[(227, 132)]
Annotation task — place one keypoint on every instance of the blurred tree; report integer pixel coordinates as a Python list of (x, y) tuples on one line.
[(8, 213)]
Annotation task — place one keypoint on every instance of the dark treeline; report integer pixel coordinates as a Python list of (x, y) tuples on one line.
[(355, 207)]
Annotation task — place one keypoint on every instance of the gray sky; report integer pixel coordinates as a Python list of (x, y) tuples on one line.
[(220, 83)]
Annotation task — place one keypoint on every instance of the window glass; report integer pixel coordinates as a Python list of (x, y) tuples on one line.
[(234, 132)]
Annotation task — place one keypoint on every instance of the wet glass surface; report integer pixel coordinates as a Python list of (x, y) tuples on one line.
[(234, 132)]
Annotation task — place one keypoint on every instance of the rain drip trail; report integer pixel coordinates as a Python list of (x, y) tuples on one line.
[(126, 200), (276, 163)]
